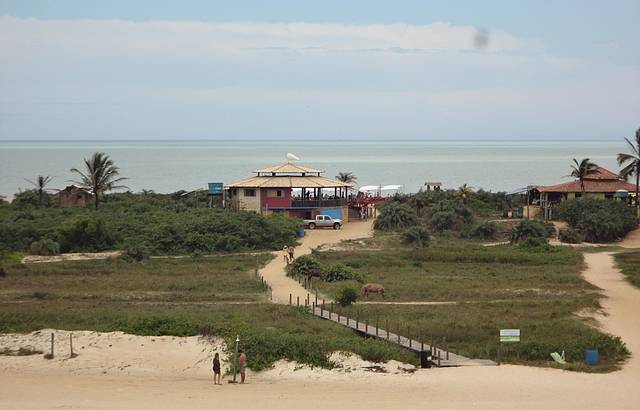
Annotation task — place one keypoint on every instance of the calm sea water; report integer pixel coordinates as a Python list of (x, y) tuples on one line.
[(168, 166)]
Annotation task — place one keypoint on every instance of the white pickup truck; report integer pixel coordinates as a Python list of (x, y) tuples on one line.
[(323, 221)]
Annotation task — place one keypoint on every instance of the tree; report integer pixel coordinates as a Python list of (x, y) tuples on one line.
[(100, 175), (464, 192), (40, 184), (581, 170), (346, 177), (395, 215), (632, 162)]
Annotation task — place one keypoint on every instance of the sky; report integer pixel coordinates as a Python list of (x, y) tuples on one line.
[(329, 70)]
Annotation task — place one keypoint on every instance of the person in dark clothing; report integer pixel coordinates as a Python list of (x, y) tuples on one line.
[(216, 369)]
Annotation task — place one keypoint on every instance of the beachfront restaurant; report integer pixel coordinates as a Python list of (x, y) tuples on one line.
[(291, 189), (599, 184)]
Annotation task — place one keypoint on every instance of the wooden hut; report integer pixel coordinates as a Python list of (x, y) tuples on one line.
[(74, 195)]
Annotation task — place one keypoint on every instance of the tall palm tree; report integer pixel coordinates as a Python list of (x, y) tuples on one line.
[(347, 177), (40, 184), (100, 175), (633, 164), (464, 192), (581, 170)]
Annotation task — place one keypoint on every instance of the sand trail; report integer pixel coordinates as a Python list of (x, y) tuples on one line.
[(274, 271)]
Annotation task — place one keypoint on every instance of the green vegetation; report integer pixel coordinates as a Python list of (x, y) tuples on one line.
[(395, 215), (570, 235), (597, 220), (346, 296), (309, 266), (532, 229), (44, 247), (532, 286), (631, 162), (100, 175), (580, 170), (629, 264), (40, 185), (161, 224), (212, 295), (485, 231), (416, 236)]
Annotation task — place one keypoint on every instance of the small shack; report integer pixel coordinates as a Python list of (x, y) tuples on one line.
[(74, 195)]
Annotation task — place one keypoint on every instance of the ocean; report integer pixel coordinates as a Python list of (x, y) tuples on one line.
[(168, 166)]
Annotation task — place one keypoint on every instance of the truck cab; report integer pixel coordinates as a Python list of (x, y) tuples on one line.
[(323, 221)]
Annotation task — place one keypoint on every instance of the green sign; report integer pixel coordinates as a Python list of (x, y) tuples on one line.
[(509, 335), (215, 188)]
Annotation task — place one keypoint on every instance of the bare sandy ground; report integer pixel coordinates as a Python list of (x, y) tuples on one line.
[(274, 272), (123, 371)]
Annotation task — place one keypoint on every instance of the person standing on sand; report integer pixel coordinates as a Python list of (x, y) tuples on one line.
[(285, 252), (216, 369), (291, 250), (242, 364)]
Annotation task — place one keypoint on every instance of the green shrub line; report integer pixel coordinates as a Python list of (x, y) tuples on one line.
[(598, 221), (629, 265)]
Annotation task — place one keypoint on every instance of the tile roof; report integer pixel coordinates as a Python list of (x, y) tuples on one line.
[(288, 168), (288, 182)]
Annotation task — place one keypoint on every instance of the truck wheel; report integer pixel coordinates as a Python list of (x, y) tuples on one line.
[(336, 226), (312, 226)]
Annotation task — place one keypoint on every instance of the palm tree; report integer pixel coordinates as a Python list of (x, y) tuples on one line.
[(346, 177), (464, 192), (633, 164), (581, 169), (40, 184), (100, 175)]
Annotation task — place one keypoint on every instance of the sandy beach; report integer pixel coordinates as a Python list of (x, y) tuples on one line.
[(116, 370)]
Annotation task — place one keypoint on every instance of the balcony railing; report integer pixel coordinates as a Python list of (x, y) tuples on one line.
[(317, 203)]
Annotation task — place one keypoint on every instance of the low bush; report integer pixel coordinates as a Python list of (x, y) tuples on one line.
[(305, 265), (135, 253), (570, 235), (443, 220), (416, 236), (598, 220), (85, 234), (340, 272), (394, 216), (44, 247), (347, 296), (486, 230), (536, 244), (532, 229)]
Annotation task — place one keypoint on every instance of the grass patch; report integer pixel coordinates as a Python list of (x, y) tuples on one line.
[(629, 264), (22, 351)]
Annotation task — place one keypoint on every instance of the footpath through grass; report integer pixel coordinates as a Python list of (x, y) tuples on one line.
[(181, 297), (538, 291), (629, 264)]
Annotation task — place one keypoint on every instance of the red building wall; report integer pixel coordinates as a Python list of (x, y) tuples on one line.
[(275, 202)]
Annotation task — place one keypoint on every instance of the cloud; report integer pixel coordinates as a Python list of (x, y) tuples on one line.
[(209, 37)]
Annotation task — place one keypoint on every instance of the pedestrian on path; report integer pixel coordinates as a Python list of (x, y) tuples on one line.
[(285, 254), (216, 369), (291, 251)]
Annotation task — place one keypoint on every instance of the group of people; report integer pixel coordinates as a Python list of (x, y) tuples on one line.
[(217, 372), (288, 254)]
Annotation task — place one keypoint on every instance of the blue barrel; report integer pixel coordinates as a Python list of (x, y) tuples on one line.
[(591, 356), (300, 233)]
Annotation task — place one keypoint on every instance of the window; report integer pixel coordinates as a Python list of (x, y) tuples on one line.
[(276, 193), (249, 192)]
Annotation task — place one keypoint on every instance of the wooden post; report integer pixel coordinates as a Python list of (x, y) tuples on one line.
[(330, 310), (409, 336), (70, 344), (499, 355), (305, 302), (308, 298), (297, 300), (289, 298), (387, 327), (357, 320), (446, 347), (398, 328), (433, 346), (347, 317), (52, 345), (422, 346), (321, 310), (377, 323), (366, 326), (438, 358), (316, 297)]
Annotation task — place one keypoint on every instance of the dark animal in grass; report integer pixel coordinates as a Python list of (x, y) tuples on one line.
[(372, 288), (314, 273)]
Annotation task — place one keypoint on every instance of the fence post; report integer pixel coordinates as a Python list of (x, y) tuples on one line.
[(316, 296), (409, 336), (433, 346), (366, 326), (387, 327), (52, 345), (347, 320), (377, 326), (330, 310), (298, 300), (422, 346), (70, 344), (289, 298), (398, 328), (446, 347), (357, 320), (438, 358)]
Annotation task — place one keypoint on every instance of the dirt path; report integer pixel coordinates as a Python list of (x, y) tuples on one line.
[(274, 271), (632, 240)]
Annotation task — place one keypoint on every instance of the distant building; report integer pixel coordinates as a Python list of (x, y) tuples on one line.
[(74, 195), (599, 184), (291, 189)]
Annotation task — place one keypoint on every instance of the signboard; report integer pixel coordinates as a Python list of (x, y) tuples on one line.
[(215, 188), (509, 335)]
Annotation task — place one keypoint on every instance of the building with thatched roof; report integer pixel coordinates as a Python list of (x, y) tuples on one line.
[(599, 184), (291, 189)]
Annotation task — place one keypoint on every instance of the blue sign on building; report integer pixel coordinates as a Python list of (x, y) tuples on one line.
[(215, 188)]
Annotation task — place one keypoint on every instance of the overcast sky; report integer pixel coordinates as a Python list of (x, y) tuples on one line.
[(325, 70)]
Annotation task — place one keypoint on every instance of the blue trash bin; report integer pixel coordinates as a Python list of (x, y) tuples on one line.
[(300, 233), (591, 356)]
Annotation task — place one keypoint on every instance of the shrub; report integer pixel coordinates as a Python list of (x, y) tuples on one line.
[(347, 296), (570, 235), (536, 244), (416, 236), (340, 272), (303, 266), (442, 220), (532, 229), (395, 216), (135, 253), (44, 247), (486, 230), (85, 234), (598, 220)]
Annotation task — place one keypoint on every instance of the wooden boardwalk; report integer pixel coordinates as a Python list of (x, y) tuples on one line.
[(441, 356)]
